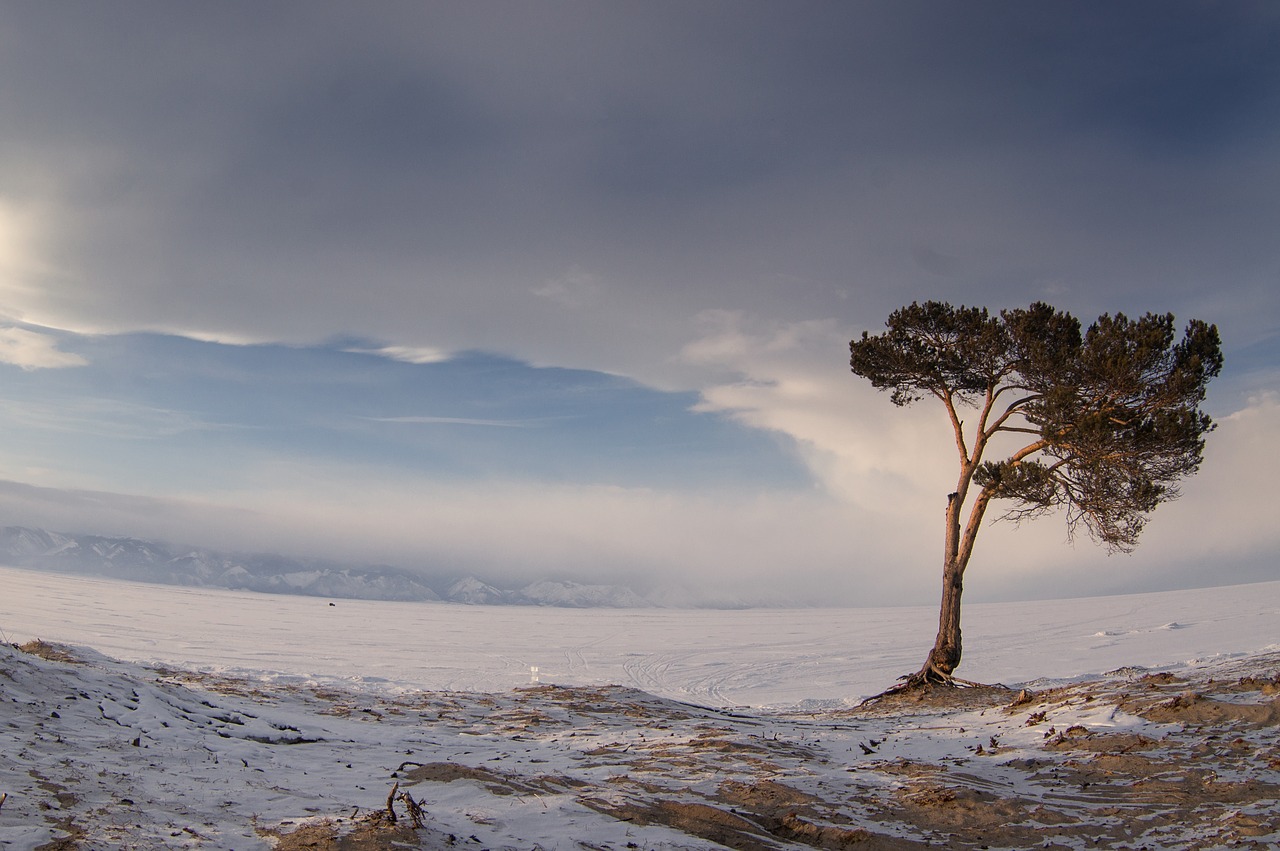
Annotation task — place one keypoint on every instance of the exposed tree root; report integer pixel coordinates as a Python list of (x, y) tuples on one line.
[(927, 677)]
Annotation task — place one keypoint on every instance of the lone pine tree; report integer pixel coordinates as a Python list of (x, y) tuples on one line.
[(1103, 424)]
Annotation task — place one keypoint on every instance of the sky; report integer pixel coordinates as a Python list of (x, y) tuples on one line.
[(566, 288)]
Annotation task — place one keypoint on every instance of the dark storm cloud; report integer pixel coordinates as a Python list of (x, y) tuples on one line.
[(240, 168)]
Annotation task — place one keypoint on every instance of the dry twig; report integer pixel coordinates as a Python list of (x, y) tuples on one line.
[(391, 802)]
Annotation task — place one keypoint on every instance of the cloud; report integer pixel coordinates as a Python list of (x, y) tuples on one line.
[(707, 198), (793, 379), (722, 548), (443, 199), (405, 354), (572, 290), (899, 464), (1220, 531), (104, 417), (32, 350), (727, 546)]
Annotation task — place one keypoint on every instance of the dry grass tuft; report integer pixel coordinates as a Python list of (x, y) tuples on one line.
[(52, 652)]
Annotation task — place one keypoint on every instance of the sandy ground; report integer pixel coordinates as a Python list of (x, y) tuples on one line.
[(1133, 759)]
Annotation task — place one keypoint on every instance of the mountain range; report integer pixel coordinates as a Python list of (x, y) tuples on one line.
[(153, 561)]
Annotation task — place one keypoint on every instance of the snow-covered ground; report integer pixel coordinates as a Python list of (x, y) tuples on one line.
[(755, 657), (240, 721)]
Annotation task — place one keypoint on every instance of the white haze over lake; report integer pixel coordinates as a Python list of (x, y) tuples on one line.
[(754, 657)]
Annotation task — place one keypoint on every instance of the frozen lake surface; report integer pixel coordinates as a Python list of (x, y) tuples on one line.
[(758, 657)]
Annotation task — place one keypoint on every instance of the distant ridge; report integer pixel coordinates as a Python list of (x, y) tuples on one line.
[(152, 561)]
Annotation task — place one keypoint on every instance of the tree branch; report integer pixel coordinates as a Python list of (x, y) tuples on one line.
[(956, 426)]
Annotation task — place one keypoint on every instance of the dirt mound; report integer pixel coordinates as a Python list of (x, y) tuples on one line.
[(933, 697), (751, 831), (52, 652), (373, 833), (1199, 710)]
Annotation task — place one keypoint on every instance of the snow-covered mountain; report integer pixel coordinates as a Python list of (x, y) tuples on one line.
[(153, 561), (546, 592), (578, 595), (473, 591)]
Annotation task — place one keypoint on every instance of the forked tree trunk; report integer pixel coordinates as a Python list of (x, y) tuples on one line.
[(948, 647)]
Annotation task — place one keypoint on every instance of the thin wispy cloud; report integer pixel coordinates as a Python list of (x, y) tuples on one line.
[(405, 354), (32, 350), (428, 420), (102, 417)]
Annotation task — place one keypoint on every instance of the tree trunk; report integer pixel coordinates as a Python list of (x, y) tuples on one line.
[(944, 658)]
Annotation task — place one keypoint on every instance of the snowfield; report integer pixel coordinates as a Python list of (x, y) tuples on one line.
[(210, 719), (752, 657)]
